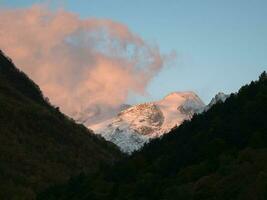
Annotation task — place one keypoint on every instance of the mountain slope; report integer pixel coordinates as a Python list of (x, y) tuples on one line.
[(39, 145), (135, 126), (220, 154)]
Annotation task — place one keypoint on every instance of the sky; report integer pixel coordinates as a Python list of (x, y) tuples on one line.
[(219, 45)]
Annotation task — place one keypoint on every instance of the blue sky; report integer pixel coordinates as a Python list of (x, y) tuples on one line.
[(220, 44)]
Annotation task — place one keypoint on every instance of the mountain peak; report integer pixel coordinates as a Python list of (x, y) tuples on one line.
[(219, 97), (176, 95)]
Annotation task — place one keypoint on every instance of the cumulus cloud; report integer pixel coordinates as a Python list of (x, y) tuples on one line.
[(85, 66)]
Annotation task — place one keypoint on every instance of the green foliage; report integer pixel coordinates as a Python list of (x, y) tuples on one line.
[(40, 146), (219, 155)]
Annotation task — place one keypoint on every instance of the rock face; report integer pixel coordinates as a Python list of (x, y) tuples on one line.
[(135, 126)]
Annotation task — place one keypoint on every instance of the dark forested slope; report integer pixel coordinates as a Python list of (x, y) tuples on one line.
[(220, 154), (39, 146)]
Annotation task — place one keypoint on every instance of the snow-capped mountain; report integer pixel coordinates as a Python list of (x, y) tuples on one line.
[(135, 126)]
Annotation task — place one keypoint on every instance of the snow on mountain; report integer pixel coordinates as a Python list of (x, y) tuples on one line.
[(135, 126), (220, 97)]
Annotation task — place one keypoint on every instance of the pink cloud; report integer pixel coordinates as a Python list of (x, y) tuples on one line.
[(80, 64)]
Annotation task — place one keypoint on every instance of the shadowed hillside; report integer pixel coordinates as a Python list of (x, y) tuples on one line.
[(219, 155), (39, 145)]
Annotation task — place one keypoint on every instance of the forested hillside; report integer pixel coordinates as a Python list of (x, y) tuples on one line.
[(220, 154), (39, 146)]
